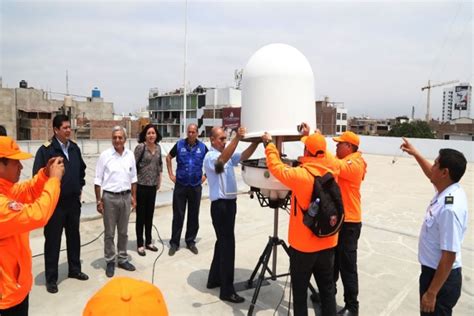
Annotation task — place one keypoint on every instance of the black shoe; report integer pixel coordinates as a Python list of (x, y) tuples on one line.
[(347, 312), (172, 251), (141, 251), (78, 275), (151, 247), (110, 270), (126, 266), (193, 249), (52, 288), (234, 298), (211, 285)]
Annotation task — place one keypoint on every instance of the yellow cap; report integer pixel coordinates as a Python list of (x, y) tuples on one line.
[(314, 143), (10, 149), (124, 296)]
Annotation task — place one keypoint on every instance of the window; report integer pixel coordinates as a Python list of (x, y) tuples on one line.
[(344, 128), (344, 116), (338, 116), (338, 128)]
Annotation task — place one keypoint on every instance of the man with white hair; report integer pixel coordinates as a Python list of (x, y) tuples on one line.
[(115, 191)]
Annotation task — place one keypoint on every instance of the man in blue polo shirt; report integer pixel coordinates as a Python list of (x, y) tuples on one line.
[(189, 153), (442, 232)]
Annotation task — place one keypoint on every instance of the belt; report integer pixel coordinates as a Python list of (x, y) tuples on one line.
[(118, 193)]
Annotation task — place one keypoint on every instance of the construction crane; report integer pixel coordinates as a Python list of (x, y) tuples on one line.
[(429, 86)]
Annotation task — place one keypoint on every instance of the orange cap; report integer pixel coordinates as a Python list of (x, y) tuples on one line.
[(348, 137), (314, 143), (9, 149), (124, 296)]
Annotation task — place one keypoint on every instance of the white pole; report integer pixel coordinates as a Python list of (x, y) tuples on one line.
[(183, 133), (214, 108)]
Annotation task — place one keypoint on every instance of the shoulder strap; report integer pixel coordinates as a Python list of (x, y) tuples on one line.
[(160, 159), (317, 184), (141, 155), (327, 178)]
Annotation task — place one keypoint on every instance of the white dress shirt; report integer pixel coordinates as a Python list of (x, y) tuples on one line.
[(64, 147), (444, 227), (115, 172)]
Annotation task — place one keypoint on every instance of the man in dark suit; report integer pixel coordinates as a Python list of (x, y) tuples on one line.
[(68, 211)]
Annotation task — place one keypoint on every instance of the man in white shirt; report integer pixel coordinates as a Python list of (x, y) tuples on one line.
[(116, 179), (442, 232)]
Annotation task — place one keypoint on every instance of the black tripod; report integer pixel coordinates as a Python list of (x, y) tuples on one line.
[(270, 248)]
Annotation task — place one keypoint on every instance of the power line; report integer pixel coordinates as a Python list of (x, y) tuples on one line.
[(435, 62)]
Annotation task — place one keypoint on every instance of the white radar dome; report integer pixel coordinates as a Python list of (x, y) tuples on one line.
[(277, 92)]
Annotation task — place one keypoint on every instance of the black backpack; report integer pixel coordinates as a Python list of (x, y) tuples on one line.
[(325, 214)]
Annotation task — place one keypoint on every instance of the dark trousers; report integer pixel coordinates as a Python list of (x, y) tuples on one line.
[(145, 209), (346, 263), (321, 265), (66, 216), (222, 267), (17, 310), (191, 196), (449, 293)]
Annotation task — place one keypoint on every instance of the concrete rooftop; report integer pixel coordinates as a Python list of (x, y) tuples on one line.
[(395, 197)]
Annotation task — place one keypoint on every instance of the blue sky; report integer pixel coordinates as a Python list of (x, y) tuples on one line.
[(374, 56)]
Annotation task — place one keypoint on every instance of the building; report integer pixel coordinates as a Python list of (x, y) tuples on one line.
[(457, 129), (204, 107), (457, 102), (27, 113), (331, 117), (222, 109), (370, 126)]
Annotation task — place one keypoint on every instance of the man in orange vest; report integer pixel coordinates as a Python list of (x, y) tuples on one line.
[(23, 207), (352, 173), (309, 254)]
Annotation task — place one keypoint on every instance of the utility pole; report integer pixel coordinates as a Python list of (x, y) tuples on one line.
[(428, 87), (183, 132)]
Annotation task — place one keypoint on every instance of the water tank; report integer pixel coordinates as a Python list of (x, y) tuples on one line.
[(23, 84), (95, 93), (68, 101), (277, 93)]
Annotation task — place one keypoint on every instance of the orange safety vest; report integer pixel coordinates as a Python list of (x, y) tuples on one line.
[(301, 181), (352, 172), (23, 207)]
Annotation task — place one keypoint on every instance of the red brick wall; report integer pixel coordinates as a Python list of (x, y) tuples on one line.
[(103, 129), (41, 129)]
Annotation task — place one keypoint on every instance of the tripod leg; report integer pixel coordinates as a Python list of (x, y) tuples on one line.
[(285, 247), (259, 263), (266, 255), (315, 298)]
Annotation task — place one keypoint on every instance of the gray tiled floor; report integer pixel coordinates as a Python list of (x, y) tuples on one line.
[(394, 199)]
